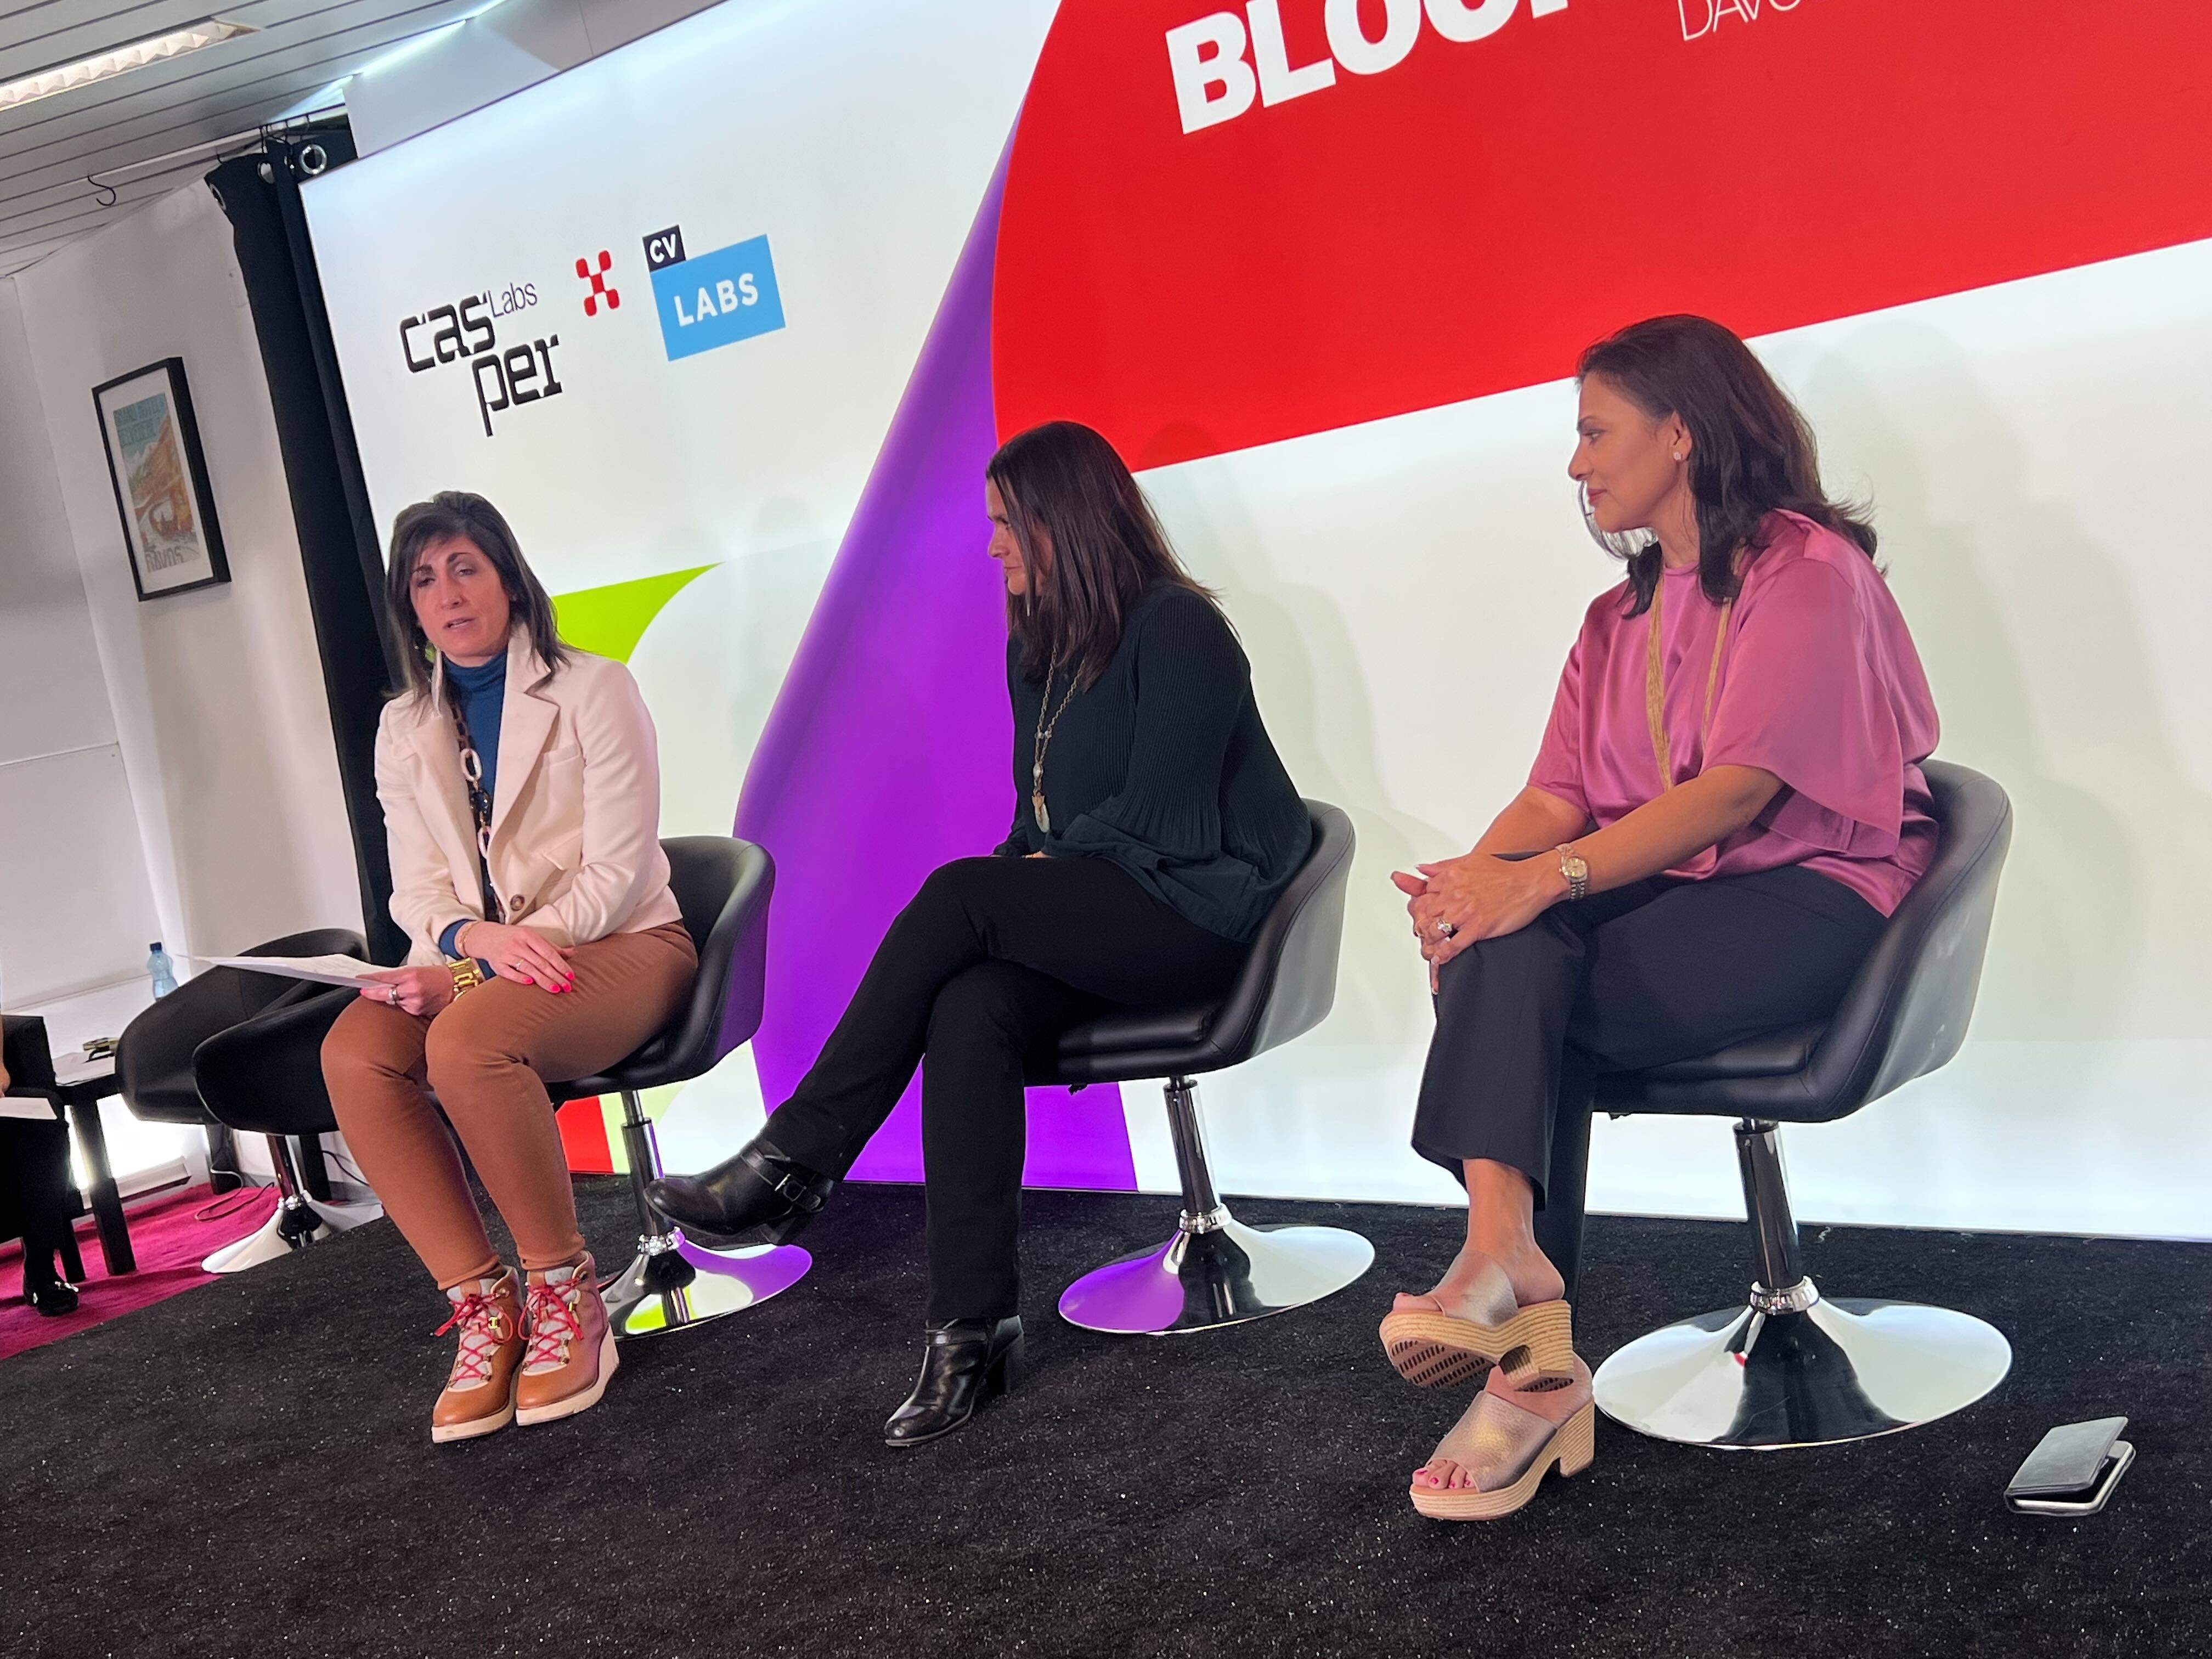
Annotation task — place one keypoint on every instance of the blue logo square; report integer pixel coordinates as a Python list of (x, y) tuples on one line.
[(718, 298)]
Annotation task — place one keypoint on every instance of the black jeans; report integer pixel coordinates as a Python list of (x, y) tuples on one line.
[(993, 960), (1655, 971)]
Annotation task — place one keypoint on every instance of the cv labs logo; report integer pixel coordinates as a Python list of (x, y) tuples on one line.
[(717, 299)]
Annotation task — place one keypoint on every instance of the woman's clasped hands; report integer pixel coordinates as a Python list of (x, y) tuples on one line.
[(1456, 901), (521, 954)]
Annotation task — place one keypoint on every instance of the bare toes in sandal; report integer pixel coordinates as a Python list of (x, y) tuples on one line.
[(1499, 1451)]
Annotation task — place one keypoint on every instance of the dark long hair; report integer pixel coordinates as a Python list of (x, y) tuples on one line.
[(457, 513), (1752, 451), (1065, 489)]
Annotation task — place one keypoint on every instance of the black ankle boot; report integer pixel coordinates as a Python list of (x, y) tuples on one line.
[(757, 1197), (48, 1291), (964, 1363)]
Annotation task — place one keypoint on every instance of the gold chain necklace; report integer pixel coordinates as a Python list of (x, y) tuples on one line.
[(1043, 741), (1654, 688)]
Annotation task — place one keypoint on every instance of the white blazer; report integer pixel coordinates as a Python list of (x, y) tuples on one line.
[(575, 820)]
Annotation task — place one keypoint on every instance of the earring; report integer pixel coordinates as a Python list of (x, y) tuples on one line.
[(1677, 454)]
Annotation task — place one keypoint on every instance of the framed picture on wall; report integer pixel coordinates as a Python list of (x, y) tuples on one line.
[(160, 481)]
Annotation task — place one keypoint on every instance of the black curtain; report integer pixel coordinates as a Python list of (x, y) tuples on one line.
[(338, 541)]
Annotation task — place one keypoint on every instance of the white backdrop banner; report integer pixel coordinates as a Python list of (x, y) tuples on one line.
[(662, 309)]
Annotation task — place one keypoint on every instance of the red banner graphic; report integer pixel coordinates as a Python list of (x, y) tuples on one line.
[(1225, 228)]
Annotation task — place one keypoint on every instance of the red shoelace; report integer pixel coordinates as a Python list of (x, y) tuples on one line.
[(553, 1322), (484, 1331)]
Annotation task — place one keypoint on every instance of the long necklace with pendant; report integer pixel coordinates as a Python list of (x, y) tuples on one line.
[(1037, 809), (480, 803), (1654, 688)]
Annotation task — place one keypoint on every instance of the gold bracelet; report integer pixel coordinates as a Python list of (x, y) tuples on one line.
[(467, 973)]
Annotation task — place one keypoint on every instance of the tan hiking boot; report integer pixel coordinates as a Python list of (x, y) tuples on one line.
[(479, 1395), (572, 1346)]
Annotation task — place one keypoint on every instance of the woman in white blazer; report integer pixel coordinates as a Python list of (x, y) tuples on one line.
[(520, 784)]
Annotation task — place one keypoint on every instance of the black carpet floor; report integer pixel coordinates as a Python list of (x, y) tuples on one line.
[(246, 1470)]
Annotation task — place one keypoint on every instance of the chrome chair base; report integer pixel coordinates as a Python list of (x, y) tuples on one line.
[(297, 1222), (672, 1284), (1816, 1374), (1216, 1272)]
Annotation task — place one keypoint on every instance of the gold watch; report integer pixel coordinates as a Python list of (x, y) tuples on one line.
[(468, 973), (1576, 872)]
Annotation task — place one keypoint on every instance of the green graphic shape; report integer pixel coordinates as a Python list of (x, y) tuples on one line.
[(608, 622)]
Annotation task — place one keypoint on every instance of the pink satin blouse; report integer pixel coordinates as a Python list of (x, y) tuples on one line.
[(1819, 684)]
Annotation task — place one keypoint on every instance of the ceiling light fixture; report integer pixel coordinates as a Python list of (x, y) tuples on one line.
[(119, 60)]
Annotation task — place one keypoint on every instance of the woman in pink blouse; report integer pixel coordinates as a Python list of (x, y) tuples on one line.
[(1727, 805)]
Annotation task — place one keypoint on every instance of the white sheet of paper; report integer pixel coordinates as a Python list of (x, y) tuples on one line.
[(81, 1067), (324, 971)]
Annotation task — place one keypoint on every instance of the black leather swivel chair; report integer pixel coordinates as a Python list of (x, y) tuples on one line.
[(154, 1061), (723, 886), (1215, 1270), (264, 1071), (1794, 1368)]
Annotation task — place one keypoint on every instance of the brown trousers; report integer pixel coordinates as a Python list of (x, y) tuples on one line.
[(488, 1055)]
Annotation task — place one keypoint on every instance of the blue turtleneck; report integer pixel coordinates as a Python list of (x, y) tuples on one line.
[(482, 693)]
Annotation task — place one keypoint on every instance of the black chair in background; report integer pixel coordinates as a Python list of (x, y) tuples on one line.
[(1216, 1270), (158, 1087), (269, 1071), (156, 1061), (1794, 1368)]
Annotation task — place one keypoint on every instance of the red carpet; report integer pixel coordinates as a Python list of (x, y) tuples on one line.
[(169, 1245)]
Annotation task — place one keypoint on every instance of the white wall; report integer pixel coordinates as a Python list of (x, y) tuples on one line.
[(217, 695), (76, 907), (166, 769)]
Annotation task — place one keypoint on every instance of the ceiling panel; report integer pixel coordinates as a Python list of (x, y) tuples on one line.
[(53, 151)]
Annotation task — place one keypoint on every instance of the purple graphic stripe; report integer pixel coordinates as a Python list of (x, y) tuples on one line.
[(887, 752)]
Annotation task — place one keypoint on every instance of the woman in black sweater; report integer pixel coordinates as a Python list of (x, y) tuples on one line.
[(1153, 827)]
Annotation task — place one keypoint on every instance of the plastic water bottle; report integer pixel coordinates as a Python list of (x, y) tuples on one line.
[(161, 970)]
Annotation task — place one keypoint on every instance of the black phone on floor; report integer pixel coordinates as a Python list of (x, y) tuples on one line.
[(2072, 1471)]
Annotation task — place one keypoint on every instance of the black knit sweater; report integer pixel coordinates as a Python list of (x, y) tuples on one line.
[(1164, 767)]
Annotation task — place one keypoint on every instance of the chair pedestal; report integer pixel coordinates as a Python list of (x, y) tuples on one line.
[(299, 1221), (672, 1283), (1214, 1270), (1793, 1368)]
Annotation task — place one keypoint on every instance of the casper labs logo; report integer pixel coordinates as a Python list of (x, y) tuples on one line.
[(717, 299), (463, 332)]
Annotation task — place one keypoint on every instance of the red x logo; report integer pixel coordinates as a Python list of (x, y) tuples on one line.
[(598, 279)]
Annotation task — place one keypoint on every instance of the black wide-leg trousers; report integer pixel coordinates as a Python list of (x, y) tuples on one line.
[(1656, 971), (35, 1193), (977, 977)]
